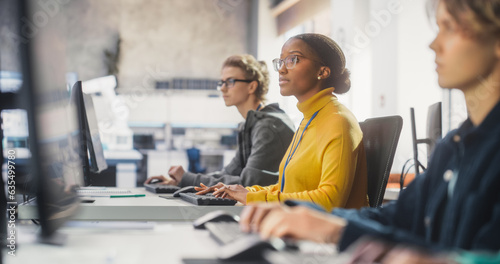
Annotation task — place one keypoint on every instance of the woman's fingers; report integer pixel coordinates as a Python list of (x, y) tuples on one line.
[(203, 189), (218, 192)]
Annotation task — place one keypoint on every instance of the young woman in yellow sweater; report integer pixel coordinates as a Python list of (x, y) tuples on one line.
[(325, 163)]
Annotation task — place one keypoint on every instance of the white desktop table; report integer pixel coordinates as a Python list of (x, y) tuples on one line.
[(391, 194), (162, 243), (148, 208), (138, 243)]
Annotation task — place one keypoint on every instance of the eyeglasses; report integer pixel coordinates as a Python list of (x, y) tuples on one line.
[(289, 62), (230, 83)]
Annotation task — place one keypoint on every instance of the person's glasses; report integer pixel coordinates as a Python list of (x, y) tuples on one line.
[(230, 83), (290, 61)]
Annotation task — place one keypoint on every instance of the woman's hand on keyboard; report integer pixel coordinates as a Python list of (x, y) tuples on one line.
[(236, 192), (203, 189)]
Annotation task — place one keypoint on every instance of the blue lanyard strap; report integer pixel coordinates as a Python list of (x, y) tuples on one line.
[(290, 154), (258, 107)]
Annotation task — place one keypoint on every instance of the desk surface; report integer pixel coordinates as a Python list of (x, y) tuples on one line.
[(131, 154), (153, 242), (164, 243), (148, 208), (391, 194)]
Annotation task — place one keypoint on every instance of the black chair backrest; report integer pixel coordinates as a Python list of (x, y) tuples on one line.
[(380, 138)]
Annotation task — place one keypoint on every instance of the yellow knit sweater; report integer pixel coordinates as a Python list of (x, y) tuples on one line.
[(329, 165)]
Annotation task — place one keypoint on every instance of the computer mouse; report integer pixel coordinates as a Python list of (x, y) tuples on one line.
[(187, 189), (214, 216)]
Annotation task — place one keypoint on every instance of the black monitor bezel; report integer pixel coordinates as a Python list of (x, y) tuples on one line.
[(434, 131), (434, 123), (91, 149)]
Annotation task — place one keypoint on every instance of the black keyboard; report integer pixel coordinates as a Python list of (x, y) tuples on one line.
[(207, 199), (161, 188), (224, 232)]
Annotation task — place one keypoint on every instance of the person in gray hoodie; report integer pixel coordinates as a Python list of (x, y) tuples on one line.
[(262, 139)]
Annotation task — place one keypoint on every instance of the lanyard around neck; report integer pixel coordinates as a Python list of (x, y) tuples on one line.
[(258, 107), (290, 154)]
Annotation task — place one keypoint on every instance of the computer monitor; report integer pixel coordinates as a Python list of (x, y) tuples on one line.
[(56, 168), (434, 126), (433, 133), (91, 150), (9, 85)]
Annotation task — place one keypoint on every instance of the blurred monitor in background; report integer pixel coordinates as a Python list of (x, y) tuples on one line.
[(433, 132), (56, 167), (91, 151), (434, 127)]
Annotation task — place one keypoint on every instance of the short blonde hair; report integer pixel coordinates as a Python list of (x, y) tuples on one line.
[(477, 18), (253, 69)]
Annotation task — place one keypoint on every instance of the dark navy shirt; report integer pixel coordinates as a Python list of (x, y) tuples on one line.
[(455, 204)]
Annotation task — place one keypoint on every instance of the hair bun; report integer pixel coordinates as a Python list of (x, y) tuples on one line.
[(342, 82)]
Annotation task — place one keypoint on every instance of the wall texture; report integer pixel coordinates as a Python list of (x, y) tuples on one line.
[(9, 40), (144, 40), (157, 39)]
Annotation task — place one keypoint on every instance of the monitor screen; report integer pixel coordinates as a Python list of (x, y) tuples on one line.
[(434, 133), (55, 163), (98, 162), (434, 127), (91, 149), (416, 163)]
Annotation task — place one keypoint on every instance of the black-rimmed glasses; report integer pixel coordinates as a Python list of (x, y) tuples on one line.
[(230, 82)]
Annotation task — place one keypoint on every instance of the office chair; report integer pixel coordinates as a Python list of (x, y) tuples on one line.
[(194, 161), (380, 139)]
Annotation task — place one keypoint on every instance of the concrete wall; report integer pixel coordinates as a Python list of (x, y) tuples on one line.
[(157, 39), (10, 39)]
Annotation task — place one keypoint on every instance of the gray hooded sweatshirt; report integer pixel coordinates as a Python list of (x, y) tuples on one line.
[(263, 140)]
